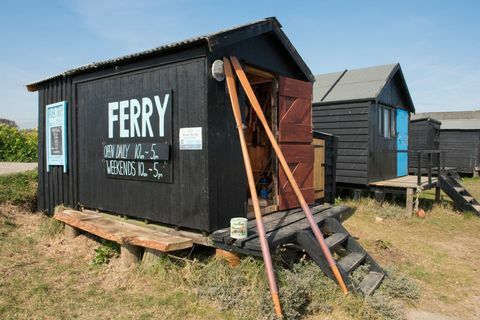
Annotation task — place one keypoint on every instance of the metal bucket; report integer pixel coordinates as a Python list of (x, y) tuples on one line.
[(238, 228)]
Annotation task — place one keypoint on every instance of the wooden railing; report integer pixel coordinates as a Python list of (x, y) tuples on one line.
[(430, 162)]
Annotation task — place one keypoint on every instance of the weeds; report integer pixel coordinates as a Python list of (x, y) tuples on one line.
[(105, 252), (19, 189), (50, 227), (397, 285), (304, 289)]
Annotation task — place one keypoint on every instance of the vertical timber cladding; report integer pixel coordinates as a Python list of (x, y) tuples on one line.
[(295, 137), (129, 156)]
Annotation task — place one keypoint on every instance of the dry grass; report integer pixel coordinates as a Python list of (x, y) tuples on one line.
[(440, 252), (47, 276)]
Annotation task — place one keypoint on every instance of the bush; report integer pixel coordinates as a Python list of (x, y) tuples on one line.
[(19, 189), (18, 145)]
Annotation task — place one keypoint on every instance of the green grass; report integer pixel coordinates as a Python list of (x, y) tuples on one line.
[(19, 189)]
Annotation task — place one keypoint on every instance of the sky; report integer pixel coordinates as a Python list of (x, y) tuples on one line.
[(437, 43)]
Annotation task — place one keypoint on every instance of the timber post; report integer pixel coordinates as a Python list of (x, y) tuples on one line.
[(409, 201), (232, 258), (130, 254), (437, 194), (379, 195), (152, 256), (71, 232)]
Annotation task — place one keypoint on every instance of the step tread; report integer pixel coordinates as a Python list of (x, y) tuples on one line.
[(476, 207), (459, 189), (335, 239), (351, 261), (371, 282), (468, 198)]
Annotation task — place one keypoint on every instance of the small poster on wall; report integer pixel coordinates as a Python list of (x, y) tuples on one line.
[(56, 134), (190, 138)]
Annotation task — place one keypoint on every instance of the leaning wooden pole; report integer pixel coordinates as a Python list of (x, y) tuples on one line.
[(251, 183), (316, 230)]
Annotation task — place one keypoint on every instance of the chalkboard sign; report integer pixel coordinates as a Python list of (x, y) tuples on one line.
[(56, 135), (139, 137)]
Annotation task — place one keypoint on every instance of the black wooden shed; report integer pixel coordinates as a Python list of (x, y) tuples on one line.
[(369, 110), (152, 135), (459, 138), (423, 134)]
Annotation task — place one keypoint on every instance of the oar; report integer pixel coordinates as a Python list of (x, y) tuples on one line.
[(316, 231), (251, 184)]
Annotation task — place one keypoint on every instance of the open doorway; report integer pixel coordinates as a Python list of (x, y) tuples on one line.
[(262, 156)]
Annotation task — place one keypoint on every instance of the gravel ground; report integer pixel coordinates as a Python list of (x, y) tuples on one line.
[(16, 167)]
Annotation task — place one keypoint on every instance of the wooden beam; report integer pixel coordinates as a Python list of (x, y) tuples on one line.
[(259, 73)]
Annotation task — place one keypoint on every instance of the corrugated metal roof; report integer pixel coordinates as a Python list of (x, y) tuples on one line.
[(460, 124), (358, 84), (424, 119), (453, 120), (206, 38), (473, 114)]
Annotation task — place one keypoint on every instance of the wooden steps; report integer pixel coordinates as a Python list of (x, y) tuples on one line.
[(122, 232), (334, 240), (351, 261), (371, 282), (280, 227), (463, 200), (350, 253)]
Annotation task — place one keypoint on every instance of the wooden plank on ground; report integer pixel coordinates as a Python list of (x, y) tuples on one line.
[(122, 232)]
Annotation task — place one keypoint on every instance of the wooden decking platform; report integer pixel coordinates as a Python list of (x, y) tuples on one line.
[(405, 182), (281, 227), (125, 233)]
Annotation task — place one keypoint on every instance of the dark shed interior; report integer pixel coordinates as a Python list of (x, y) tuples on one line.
[(360, 107), (199, 189)]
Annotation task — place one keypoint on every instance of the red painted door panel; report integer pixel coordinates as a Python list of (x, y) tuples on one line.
[(295, 138)]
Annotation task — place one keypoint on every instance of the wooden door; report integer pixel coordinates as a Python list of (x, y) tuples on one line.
[(295, 139), (319, 168)]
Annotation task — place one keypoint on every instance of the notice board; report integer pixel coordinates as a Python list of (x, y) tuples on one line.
[(56, 135)]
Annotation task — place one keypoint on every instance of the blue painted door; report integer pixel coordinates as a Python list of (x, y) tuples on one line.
[(402, 142)]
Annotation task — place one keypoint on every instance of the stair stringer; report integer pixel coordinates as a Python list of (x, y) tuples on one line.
[(450, 186), (309, 243)]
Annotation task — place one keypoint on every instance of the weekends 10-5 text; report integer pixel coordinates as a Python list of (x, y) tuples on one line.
[(138, 160)]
